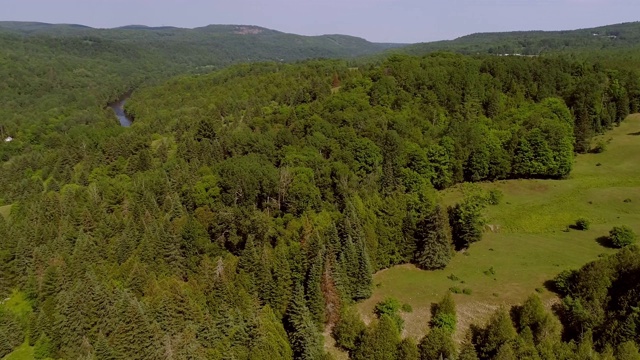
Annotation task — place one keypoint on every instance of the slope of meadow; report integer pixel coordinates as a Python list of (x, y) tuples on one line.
[(533, 242)]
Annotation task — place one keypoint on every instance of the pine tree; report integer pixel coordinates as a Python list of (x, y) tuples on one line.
[(408, 350), (506, 353), (434, 246), (282, 281), (437, 344), (306, 340), (313, 286), (270, 339), (43, 348), (250, 263), (103, 350), (468, 352), (363, 276), (379, 342), (627, 351), (134, 335), (466, 222)]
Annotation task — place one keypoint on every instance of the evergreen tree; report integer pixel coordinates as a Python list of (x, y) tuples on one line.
[(103, 350), (379, 342), (466, 222), (313, 286), (305, 339), (468, 352), (408, 350), (362, 277), (282, 281), (505, 352), (627, 351), (499, 331), (434, 246), (270, 339), (437, 344), (134, 334), (43, 348)]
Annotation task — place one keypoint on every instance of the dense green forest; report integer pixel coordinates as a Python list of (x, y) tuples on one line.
[(61, 76), (244, 209)]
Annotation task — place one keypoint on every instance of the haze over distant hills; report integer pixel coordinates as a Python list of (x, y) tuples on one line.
[(607, 37), (213, 44), (217, 45)]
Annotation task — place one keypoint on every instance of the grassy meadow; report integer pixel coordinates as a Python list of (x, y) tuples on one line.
[(18, 304), (5, 211), (533, 243)]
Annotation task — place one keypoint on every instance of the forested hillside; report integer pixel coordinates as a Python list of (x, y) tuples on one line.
[(61, 76), (246, 209), (597, 42), (211, 46)]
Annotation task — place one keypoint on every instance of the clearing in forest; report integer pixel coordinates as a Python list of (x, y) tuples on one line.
[(530, 242), (5, 211)]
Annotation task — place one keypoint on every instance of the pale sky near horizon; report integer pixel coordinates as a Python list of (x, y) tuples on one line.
[(406, 21)]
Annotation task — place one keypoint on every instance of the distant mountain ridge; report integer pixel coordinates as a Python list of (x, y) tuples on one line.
[(537, 42), (232, 43)]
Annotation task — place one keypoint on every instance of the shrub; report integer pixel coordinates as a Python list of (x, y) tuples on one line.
[(600, 147), (455, 290), (444, 321), (453, 277), (583, 224), (627, 200), (407, 308), (467, 291), (621, 236), (490, 272), (390, 306), (494, 197)]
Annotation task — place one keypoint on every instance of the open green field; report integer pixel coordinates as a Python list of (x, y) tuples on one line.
[(24, 352), (532, 244), (5, 211), (18, 304)]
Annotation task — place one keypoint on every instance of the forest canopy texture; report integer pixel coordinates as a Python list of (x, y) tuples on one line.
[(246, 209)]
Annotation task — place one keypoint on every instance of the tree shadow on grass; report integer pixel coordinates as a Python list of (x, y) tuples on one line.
[(551, 286), (634, 134), (605, 241)]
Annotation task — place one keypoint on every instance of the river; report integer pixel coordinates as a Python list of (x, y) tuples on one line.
[(118, 108)]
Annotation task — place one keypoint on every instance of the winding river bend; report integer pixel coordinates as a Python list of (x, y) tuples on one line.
[(118, 109)]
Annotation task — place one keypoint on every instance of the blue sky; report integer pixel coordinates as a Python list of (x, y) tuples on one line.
[(375, 20)]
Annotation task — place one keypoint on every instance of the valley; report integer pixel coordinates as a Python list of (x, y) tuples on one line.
[(318, 197)]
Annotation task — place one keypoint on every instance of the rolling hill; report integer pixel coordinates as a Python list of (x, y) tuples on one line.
[(610, 37), (210, 45)]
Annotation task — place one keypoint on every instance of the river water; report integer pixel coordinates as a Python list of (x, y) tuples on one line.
[(118, 108)]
